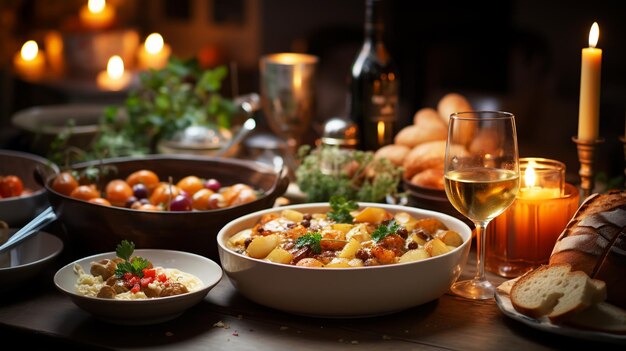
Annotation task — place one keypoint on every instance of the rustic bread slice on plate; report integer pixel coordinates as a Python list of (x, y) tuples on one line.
[(555, 291)]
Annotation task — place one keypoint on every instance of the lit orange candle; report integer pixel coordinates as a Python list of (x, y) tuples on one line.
[(154, 53), (115, 77), (524, 235), (589, 108), (29, 62), (97, 15), (54, 51)]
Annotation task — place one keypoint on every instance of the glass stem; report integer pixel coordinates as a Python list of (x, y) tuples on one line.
[(481, 228)]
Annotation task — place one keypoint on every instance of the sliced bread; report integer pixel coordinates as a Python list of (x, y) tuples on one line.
[(555, 291)]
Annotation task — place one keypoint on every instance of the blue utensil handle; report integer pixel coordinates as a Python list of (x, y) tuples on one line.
[(31, 228)]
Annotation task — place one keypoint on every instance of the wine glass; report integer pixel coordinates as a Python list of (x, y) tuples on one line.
[(288, 97), (481, 179)]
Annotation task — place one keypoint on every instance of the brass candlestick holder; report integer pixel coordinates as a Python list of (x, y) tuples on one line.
[(586, 151)]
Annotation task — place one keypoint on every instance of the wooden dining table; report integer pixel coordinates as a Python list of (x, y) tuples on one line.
[(37, 315)]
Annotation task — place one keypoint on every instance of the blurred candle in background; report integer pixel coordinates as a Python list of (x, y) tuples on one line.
[(115, 77), (29, 62), (54, 52), (97, 15), (154, 53), (523, 236), (589, 105)]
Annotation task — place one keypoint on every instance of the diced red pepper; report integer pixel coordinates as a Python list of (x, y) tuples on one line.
[(146, 280), (162, 278), (135, 289), (134, 280), (127, 276), (147, 272)]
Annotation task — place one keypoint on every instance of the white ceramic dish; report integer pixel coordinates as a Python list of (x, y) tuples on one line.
[(27, 259), (19, 210), (149, 311), (343, 292), (504, 303)]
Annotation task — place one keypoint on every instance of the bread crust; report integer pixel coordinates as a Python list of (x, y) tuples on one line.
[(594, 242)]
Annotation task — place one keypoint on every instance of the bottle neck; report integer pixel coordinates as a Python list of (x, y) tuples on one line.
[(374, 20)]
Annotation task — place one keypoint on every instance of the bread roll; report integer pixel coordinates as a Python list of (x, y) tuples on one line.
[(394, 153), (427, 126), (427, 155), (429, 178), (594, 242), (451, 103)]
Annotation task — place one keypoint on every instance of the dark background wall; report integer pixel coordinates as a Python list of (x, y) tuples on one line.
[(521, 56)]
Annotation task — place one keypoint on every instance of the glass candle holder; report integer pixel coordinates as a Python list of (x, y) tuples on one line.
[(523, 236)]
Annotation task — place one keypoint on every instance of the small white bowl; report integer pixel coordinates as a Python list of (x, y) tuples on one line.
[(149, 311), (343, 292)]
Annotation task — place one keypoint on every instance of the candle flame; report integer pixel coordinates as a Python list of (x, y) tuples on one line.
[(96, 6), (29, 50), (530, 177), (115, 67), (594, 34), (154, 43), (381, 132)]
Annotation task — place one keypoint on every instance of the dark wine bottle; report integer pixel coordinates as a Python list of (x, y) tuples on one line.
[(374, 84)]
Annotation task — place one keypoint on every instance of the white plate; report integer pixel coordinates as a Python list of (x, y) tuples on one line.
[(27, 259), (504, 303), (149, 311)]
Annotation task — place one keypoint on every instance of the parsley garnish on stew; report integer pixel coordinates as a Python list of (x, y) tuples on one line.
[(341, 208), (311, 240), (383, 230), (133, 266)]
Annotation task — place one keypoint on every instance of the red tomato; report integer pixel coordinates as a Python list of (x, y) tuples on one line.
[(190, 184), (118, 192), (145, 177), (100, 201), (11, 186), (201, 200), (135, 289), (85, 192), (64, 183)]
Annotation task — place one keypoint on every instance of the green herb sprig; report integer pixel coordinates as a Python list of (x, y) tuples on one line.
[(384, 230), (312, 240), (133, 266), (341, 208)]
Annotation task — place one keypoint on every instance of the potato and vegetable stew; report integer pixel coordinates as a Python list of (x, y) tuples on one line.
[(344, 237)]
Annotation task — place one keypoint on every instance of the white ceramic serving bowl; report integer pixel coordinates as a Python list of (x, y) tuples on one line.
[(149, 311), (19, 210), (343, 292), (27, 259)]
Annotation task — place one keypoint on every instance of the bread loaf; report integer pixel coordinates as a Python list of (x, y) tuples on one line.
[(594, 242)]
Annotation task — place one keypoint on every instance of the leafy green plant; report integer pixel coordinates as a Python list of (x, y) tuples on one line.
[(166, 101), (356, 175)]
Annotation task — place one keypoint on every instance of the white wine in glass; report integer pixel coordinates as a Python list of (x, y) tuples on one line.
[(481, 179)]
